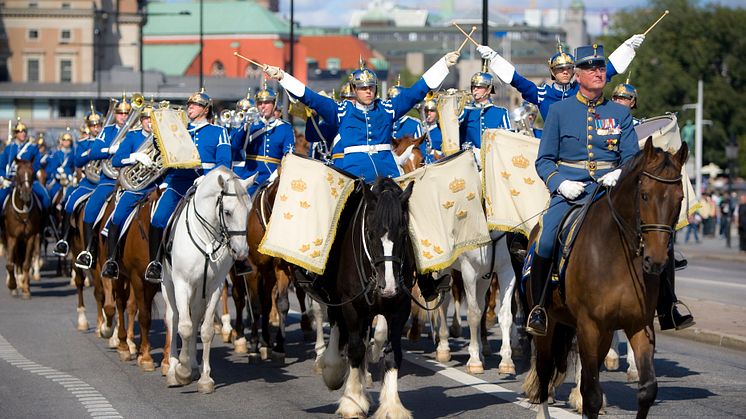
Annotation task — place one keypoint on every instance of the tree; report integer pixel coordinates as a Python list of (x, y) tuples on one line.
[(692, 42)]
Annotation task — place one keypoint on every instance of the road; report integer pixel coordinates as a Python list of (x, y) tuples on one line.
[(49, 369), (719, 281)]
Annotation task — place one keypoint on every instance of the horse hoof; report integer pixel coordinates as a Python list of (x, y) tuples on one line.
[(146, 366), (124, 356), (226, 337), (240, 346), (254, 358), (278, 357), (113, 339), (632, 377), (183, 375), (264, 353), (454, 331), (443, 355), (206, 387), (171, 381), (164, 369), (83, 326), (317, 367), (506, 369), (611, 363), (475, 369), (36, 277), (368, 379), (25, 295), (86, 282)]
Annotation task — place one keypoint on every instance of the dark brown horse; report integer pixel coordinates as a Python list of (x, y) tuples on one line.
[(612, 281), (22, 218)]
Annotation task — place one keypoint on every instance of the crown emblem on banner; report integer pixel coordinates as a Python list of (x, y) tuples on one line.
[(457, 185), (520, 162), (514, 192), (298, 185), (529, 181)]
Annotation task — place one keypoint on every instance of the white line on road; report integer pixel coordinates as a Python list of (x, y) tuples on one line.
[(709, 282), (94, 401)]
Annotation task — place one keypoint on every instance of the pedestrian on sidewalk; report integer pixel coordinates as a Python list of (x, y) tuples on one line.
[(741, 220), (693, 227)]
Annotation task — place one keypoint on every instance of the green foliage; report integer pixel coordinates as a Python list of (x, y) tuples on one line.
[(692, 42)]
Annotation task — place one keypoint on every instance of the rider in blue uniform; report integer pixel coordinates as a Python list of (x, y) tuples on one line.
[(101, 149), (625, 94), (481, 114), (269, 139), (366, 127), (214, 149), (586, 140), (406, 125), (432, 148), (23, 149), (126, 155), (93, 123), (561, 67), (60, 165), (245, 107)]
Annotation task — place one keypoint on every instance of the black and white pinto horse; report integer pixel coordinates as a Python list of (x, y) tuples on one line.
[(370, 271)]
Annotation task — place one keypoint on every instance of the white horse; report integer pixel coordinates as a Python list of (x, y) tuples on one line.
[(208, 235), (475, 267)]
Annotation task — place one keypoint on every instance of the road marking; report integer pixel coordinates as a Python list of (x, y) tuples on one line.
[(93, 401), (709, 282)]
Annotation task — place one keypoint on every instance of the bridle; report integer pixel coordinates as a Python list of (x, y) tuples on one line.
[(27, 200)]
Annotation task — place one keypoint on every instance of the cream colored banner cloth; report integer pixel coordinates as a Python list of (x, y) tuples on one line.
[(445, 211), (309, 202), (665, 132), (450, 105), (513, 192), (174, 142)]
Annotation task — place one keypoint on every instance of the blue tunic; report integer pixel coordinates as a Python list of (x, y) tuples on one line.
[(100, 151), (128, 199), (436, 143), (266, 144), (23, 151), (60, 164), (321, 135), (476, 118), (366, 131), (85, 187), (579, 132)]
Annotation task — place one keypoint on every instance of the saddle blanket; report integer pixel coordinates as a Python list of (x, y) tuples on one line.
[(514, 194), (309, 201), (446, 217)]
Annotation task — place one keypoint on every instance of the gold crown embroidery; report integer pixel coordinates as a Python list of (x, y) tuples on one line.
[(529, 181), (288, 215), (457, 185), (504, 174), (438, 250), (318, 241), (283, 198), (334, 192), (470, 196), (425, 242), (462, 214), (427, 255), (315, 254), (298, 185), (305, 204), (448, 204), (329, 178), (520, 162), (304, 248), (514, 192)]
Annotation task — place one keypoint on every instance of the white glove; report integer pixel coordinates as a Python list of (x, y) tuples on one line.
[(198, 180), (113, 149), (6, 183), (273, 72), (60, 170), (610, 179), (571, 189), (487, 52), (142, 158), (451, 58), (635, 41)]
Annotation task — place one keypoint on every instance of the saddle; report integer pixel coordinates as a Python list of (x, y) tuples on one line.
[(167, 243)]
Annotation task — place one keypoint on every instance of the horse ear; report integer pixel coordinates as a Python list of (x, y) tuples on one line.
[(420, 140), (221, 182), (648, 148), (683, 154), (396, 142), (407, 193), (248, 182)]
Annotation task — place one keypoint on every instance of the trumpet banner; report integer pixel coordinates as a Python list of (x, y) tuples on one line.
[(174, 142), (514, 194), (664, 130), (445, 211), (450, 106), (308, 204)]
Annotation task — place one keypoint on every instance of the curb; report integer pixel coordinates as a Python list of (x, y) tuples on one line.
[(715, 256), (737, 343)]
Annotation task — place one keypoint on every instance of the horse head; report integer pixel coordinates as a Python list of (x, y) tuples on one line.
[(24, 179), (386, 233), (659, 194), (408, 147), (227, 197)]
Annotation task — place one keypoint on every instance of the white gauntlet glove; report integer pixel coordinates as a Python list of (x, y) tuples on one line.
[(610, 179), (142, 158), (60, 170), (113, 149), (571, 189), (451, 58), (635, 41), (486, 52), (273, 72)]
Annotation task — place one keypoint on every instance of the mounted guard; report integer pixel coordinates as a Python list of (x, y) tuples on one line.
[(20, 148)]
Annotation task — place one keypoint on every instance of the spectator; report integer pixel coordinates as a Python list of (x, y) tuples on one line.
[(694, 221), (726, 213), (741, 220)]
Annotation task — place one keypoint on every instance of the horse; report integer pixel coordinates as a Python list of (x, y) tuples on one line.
[(22, 219), (370, 271), (415, 159), (207, 235), (634, 221)]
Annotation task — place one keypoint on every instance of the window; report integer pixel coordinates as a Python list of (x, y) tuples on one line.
[(33, 5), (65, 5), (65, 35), (412, 36), (66, 108), (218, 69), (32, 70), (33, 34), (332, 63), (66, 71)]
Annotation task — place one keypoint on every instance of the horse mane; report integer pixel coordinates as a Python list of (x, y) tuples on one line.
[(632, 168), (387, 212), (230, 177)]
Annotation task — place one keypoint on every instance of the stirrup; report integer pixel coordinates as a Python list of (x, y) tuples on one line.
[(83, 264), (537, 311), (110, 270), (154, 272), (57, 251), (685, 320)]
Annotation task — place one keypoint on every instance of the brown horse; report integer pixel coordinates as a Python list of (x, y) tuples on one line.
[(416, 159), (22, 218), (614, 285)]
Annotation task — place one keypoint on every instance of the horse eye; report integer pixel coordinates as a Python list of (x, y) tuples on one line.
[(227, 212), (645, 196)]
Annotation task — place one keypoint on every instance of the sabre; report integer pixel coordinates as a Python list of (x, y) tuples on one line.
[(248, 59), (468, 36), (656, 22)]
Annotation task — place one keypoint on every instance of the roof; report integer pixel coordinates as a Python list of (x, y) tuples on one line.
[(347, 48), (220, 17), (171, 59)]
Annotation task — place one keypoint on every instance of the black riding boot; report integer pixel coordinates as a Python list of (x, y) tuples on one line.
[(668, 314), (154, 271), (85, 258), (541, 269), (111, 268), (61, 247), (431, 287)]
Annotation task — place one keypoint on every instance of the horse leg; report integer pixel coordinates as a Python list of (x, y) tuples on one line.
[(380, 335), (354, 402), (491, 315), (281, 302), (172, 319), (36, 262), (443, 350), (333, 365), (145, 305), (506, 283), (26, 269), (183, 297), (457, 290), (632, 373), (318, 320), (225, 318), (82, 319), (475, 289), (611, 362), (238, 292), (131, 310), (206, 384), (593, 344), (122, 296), (390, 405), (306, 325), (643, 344)]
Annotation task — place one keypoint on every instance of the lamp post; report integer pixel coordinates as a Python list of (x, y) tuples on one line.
[(485, 23), (201, 44), (731, 153)]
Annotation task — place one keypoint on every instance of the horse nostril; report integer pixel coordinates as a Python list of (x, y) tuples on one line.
[(647, 263)]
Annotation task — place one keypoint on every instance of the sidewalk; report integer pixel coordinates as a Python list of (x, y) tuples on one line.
[(710, 248)]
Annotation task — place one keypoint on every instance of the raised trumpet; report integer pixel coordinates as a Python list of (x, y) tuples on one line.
[(226, 116)]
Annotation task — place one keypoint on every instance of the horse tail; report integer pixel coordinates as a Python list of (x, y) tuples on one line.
[(562, 342)]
